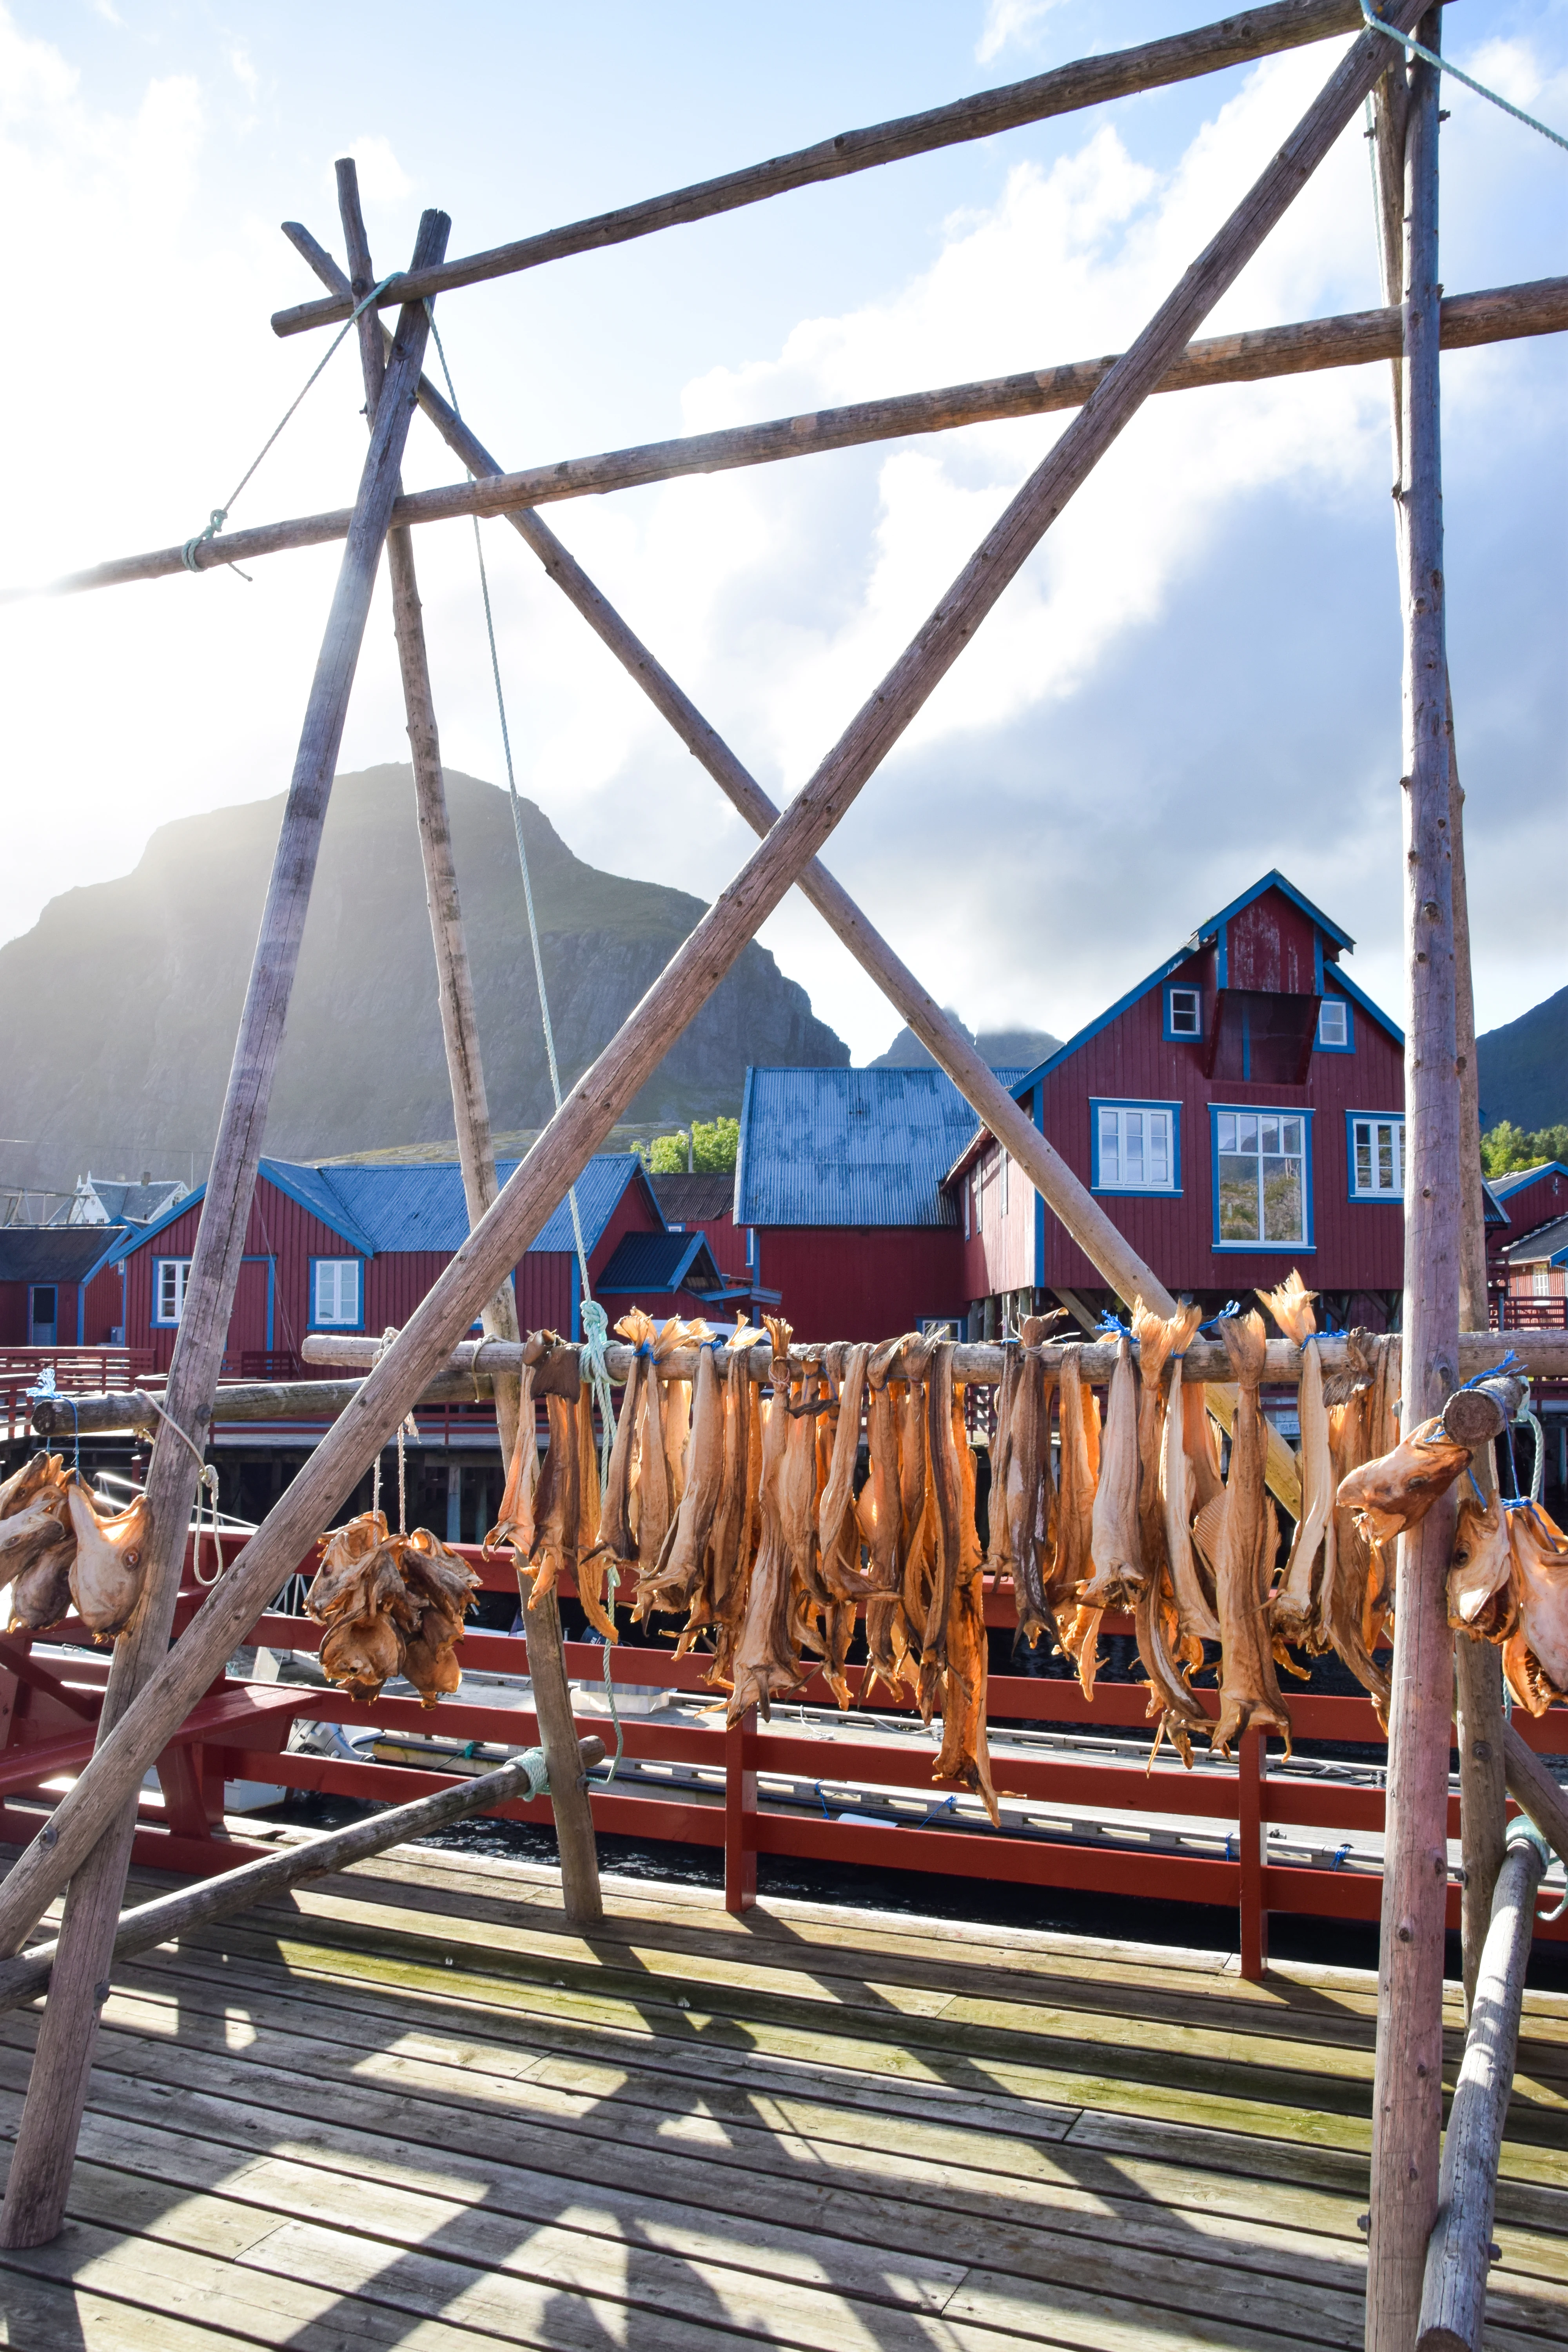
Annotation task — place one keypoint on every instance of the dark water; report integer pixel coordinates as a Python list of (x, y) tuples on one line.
[(933, 1896)]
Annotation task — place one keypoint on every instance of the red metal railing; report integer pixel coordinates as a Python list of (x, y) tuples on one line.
[(80, 1371), (1523, 1314), (239, 1730)]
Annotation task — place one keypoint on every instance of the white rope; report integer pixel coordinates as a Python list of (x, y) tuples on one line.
[(206, 1476)]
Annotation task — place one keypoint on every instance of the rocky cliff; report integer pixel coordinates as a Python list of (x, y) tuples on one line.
[(122, 1002)]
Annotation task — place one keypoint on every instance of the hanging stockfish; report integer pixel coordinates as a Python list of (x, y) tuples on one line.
[(1249, 1691), (37, 1547), (1178, 1483), (1295, 1613), (1077, 1621), (1022, 1491), (514, 1525), (844, 1581), (1535, 1655), (1343, 1611), (878, 1513), (618, 1516), (1117, 1566), (765, 1664), (734, 1524), (1156, 1616), (917, 1510), (674, 1581), (656, 1492), (106, 1573), (594, 1555), (441, 1587)]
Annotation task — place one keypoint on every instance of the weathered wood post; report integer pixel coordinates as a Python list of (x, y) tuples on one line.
[(570, 1802), (1477, 1665), (46, 2143), (1409, 2081), (1454, 2299), (602, 1095)]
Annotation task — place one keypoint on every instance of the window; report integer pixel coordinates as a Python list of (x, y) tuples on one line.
[(1540, 1281), (1377, 1158), (1184, 1011), (1136, 1148), (966, 1189), (1261, 1179), (334, 1291), (170, 1276), (1334, 1035)]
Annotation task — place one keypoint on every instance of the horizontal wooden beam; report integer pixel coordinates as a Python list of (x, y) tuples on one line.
[(1089, 81), (1498, 314), (467, 1375), (169, 1916)]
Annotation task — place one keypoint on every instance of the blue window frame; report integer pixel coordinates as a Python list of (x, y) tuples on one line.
[(1135, 1147), (1184, 1023), (1336, 1026), (1262, 1163), (337, 1294), (1375, 1154)]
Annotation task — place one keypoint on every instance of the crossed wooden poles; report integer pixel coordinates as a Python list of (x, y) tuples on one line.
[(86, 1842)]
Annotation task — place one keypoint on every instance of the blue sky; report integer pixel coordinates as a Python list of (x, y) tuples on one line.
[(1195, 678)]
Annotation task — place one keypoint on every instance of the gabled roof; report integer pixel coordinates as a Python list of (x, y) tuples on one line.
[(1517, 1178), (1493, 1213), (838, 1146), (52, 1252), (1549, 1243), (380, 1206), (659, 1262), (1272, 881)]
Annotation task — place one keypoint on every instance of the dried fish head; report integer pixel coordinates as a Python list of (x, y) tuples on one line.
[(1394, 1493), (1481, 1598), (111, 1555), (40, 1471), (1541, 1554), (361, 1654)]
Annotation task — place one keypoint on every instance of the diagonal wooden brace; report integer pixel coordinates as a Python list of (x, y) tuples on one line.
[(601, 1096)]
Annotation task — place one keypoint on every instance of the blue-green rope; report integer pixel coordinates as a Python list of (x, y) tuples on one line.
[(1413, 47), (220, 514)]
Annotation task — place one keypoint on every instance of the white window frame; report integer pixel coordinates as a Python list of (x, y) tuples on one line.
[(169, 1275), (1341, 1009), (1186, 1036), (1540, 1281), (1141, 1129), (1005, 1158), (336, 1268), (1245, 1131), (1371, 1122)]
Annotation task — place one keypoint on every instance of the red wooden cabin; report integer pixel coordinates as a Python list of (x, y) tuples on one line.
[(1238, 1112)]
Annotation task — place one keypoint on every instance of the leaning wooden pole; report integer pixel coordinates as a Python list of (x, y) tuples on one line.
[(603, 1093), (1453, 2300), (46, 2143), (1407, 2091), (580, 1891)]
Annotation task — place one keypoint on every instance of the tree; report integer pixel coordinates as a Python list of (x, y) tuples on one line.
[(709, 1147), (1505, 1148)]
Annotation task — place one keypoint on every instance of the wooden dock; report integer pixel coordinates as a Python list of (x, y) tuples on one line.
[(408, 2107)]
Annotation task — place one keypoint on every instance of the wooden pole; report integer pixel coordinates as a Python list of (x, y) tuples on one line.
[(1091, 81), (1355, 339), (1407, 2090), (41, 2166), (1477, 1665), (169, 1916), (580, 1893), (1454, 2298), (601, 1096)]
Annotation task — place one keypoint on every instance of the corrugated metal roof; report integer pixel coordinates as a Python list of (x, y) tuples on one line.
[(1505, 1185), (654, 1262), (420, 1206), (1551, 1242), (826, 1146), (52, 1252), (689, 1200)]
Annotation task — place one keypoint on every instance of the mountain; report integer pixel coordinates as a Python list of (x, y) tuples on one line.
[(123, 1002), (1003, 1048), (1523, 1068)]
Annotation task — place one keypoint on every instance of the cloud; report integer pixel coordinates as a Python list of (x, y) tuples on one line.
[(382, 178), (1009, 20)]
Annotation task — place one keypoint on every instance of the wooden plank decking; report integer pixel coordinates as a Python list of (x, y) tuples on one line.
[(409, 2108)]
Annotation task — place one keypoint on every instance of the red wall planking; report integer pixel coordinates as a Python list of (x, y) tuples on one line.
[(861, 1282)]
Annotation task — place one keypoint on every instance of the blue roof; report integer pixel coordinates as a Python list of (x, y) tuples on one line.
[(379, 1205), (1272, 881), (834, 1147), (660, 1262), (1503, 1185)]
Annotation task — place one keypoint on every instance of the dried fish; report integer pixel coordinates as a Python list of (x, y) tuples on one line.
[(766, 1663), (1394, 1493), (1078, 1624), (879, 1515), (1250, 1690), (1118, 1568), (1482, 1595), (1025, 1505), (106, 1574), (1535, 1659), (514, 1523), (1178, 1481), (1295, 1611), (595, 1559), (673, 1582)]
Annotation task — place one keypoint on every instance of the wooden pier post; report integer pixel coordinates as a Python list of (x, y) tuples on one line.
[(46, 2142), (601, 1096), (1408, 2082), (580, 1891)]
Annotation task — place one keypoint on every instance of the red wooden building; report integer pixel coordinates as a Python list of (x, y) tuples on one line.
[(355, 1247), (1238, 1112), (48, 1295)]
